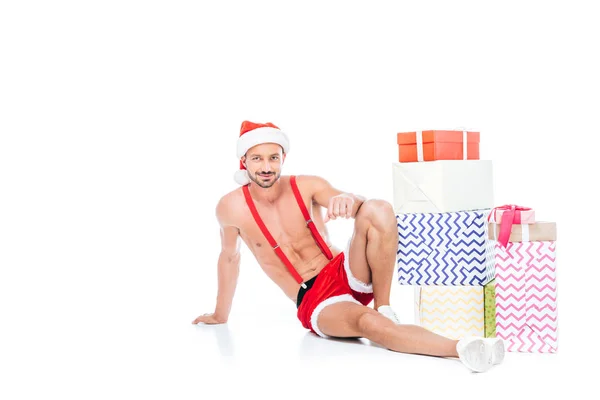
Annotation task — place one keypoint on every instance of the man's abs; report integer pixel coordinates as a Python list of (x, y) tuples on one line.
[(304, 255), (282, 278)]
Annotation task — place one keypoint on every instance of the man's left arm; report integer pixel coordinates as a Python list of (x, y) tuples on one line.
[(338, 203)]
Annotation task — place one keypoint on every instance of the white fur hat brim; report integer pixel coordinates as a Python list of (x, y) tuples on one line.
[(262, 135)]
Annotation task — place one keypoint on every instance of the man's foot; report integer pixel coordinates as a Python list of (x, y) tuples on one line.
[(388, 312), (480, 354)]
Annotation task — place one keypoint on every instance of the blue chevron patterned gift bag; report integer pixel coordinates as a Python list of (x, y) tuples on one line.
[(445, 249)]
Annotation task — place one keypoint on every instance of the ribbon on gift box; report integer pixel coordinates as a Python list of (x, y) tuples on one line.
[(420, 144), (464, 143), (511, 214), (523, 215)]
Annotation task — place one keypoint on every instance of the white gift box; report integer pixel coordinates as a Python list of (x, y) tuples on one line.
[(442, 186)]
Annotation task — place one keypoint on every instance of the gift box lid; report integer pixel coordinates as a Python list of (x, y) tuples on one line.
[(540, 231), (437, 136)]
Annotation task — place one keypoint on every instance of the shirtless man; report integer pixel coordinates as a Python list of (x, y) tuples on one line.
[(280, 219)]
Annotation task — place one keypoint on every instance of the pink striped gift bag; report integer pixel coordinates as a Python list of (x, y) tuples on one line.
[(526, 293)]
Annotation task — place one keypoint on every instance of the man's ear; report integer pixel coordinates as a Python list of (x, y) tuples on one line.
[(243, 160)]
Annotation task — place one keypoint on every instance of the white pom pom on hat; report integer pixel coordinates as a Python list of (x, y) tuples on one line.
[(252, 134), (241, 177)]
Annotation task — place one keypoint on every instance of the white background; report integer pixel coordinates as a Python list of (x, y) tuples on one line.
[(118, 126)]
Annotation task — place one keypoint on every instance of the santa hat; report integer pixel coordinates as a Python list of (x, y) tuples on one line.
[(252, 134)]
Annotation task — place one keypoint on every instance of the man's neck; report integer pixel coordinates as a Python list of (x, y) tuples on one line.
[(266, 195)]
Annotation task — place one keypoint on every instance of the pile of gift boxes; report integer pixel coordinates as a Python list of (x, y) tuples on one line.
[(477, 268)]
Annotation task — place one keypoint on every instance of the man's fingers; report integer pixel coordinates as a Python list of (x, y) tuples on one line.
[(349, 209), (339, 207), (330, 214), (345, 211), (202, 318), (336, 208)]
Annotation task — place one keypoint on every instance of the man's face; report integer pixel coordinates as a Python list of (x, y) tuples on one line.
[(263, 163)]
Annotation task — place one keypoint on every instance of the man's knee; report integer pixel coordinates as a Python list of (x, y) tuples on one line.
[(379, 213), (368, 323)]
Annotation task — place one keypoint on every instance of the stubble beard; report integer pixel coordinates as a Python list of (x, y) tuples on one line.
[(265, 185)]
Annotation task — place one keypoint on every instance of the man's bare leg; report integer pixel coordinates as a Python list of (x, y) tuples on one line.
[(348, 319), (373, 247)]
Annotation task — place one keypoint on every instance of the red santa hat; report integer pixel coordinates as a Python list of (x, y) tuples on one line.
[(252, 134)]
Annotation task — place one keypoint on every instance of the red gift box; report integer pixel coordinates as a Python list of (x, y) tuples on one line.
[(437, 145)]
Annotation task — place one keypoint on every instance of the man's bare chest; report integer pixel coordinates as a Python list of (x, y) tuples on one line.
[(283, 221)]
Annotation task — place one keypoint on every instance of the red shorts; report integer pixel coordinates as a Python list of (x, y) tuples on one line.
[(335, 283)]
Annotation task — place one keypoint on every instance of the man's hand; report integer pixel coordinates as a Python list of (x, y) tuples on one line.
[(209, 319), (339, 206)]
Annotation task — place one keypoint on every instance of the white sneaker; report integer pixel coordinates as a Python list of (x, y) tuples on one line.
[(497, 349), (388, 312), (480, 354)]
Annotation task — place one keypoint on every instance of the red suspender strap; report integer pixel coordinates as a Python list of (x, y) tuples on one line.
[(269, 238), (309, 222)]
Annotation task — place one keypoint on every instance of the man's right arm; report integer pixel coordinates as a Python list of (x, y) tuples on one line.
[(228, 271), (228, 268)]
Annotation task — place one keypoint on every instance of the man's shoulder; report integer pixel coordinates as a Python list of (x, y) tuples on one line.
[(231, 198), (311, 182), (228, 203), (310, 179)]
